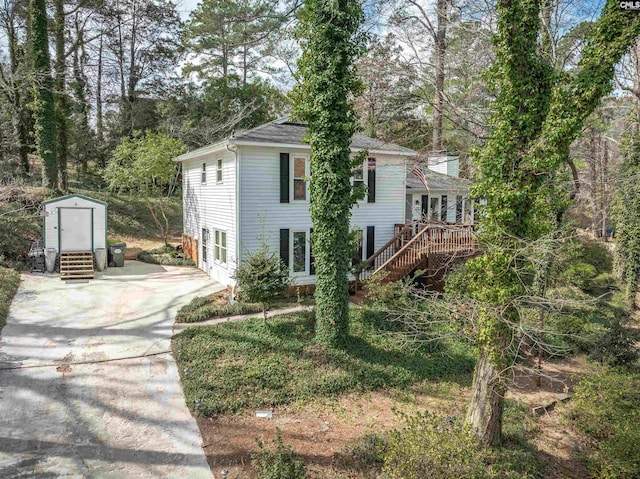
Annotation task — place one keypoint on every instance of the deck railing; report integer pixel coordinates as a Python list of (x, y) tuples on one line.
[(412, 245)]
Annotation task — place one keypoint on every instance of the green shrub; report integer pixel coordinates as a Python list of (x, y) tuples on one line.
[(606, 407), (580, 274), (605, 281), (262, 277), (278, 462), (434, 447), (9, 282), (165, 255), (390, 295), (616, 347)]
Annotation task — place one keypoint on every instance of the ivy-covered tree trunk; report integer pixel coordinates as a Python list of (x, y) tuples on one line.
[(537, 116), (44, 107), (62, 101), (330, 38), (627, 216)]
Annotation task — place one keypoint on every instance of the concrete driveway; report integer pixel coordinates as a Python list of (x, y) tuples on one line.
[(116, 415)]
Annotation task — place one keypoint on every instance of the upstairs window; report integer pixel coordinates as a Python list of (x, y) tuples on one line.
[(203, 174), (219, 171), (299, 178), (358, 176)]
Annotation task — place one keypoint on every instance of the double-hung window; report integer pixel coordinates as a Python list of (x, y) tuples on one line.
[(299, 178), (358, 176), (203, 173), (220, 246)]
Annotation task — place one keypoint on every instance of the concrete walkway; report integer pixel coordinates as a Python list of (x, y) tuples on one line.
[(105, 418)]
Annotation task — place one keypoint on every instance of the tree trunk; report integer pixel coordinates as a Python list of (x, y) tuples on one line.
[(440, 49), (19, 120), (485, 411), (62, 107), (99, 123), (44, 110)]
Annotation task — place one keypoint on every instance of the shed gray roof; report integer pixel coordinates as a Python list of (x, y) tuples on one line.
[(288, 132), (436, 181)]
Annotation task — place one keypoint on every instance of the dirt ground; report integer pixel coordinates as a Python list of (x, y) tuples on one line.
[(319, 431), (135, 245)]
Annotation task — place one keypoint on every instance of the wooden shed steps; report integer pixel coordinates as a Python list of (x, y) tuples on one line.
[(76, 265)]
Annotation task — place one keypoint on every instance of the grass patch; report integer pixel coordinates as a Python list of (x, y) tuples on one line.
[(255, 363), (213, 306), (165, 255), (216, 305), (9, 281)]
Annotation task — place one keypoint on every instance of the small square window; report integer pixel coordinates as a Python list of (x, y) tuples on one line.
[(219, 171)]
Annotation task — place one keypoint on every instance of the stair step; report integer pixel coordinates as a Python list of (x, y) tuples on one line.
[(76, 265)]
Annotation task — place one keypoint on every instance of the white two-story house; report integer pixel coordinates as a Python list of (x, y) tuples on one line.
[(252, 189)]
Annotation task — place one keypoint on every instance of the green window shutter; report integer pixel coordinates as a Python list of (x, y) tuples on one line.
[(371, 241), (284, 177), (284, 246), (312, 259), (371, 180)]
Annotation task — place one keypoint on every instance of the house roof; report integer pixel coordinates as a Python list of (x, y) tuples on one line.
[(74, 195), (285, 133), (436, 181)]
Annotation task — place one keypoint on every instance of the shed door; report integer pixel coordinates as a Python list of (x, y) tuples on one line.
[(75, 229)]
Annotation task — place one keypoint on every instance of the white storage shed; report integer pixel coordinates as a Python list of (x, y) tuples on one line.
[(74, 223)]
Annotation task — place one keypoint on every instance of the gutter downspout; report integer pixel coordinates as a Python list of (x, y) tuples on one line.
[(237, 203)]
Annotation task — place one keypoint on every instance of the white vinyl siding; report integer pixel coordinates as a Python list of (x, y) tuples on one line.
[(262, 215), (212, 206)]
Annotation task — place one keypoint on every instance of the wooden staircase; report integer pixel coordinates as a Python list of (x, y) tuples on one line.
[(76, 265), (413, 245)]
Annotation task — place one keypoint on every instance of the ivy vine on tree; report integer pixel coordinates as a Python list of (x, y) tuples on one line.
[(538, 114), (331, 41)]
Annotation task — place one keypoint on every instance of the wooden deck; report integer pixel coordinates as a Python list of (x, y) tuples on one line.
[(429, 246)]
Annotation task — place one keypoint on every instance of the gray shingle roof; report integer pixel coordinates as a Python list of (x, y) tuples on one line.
[(286, 132), (436, 181)]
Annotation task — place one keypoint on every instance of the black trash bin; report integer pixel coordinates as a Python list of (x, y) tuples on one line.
[(115, 254)]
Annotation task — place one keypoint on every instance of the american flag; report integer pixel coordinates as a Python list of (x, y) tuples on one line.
[(418, 172)]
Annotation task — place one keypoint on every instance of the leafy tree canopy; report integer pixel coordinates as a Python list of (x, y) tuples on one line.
[(144, 164)]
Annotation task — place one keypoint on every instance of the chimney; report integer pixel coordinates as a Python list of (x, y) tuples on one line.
[(445, 164)]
